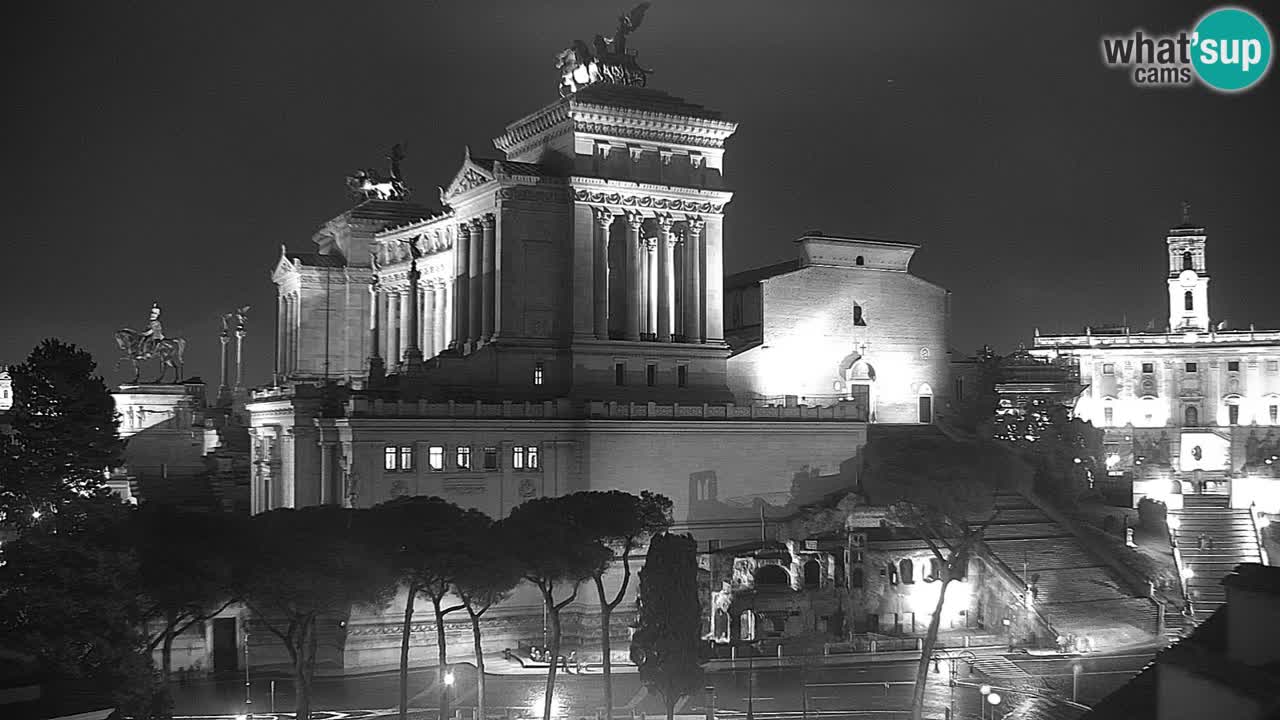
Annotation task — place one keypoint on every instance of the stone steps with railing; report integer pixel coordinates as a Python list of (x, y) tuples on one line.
[(1210, 539)]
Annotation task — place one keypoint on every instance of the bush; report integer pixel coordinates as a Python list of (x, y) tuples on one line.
[(1152, 514)]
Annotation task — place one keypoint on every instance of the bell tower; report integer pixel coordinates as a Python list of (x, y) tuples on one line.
[(1188, 276)]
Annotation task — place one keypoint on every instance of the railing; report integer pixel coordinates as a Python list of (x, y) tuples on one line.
[(1021, 586), (1177, 564), (731, 411), (1257, 532)]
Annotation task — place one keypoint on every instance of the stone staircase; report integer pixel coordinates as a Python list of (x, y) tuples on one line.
[(1228, 540), (1077, 592)]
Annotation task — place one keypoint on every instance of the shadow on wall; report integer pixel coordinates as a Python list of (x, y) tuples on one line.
[(808, 485)]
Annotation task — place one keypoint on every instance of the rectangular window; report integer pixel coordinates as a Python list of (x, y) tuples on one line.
[(519, 455), (491, 458), (1192, 367), (1108, 369), (531, 457), (651, 374), (682, 375), (926, 409), (959, 389), (619, 374), (1274, 413), (1108, 416), (389, 458), (1233, 366), (1273, 366), (463, 457), (435, 457), (1233, 414), (537, 373), (406, 458), (1148, 368)]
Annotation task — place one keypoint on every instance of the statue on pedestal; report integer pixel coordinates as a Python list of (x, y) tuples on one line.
[(138, 347), (606, 60), (368, 184)]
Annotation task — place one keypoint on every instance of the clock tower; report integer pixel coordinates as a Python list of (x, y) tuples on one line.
[(1188, 277)]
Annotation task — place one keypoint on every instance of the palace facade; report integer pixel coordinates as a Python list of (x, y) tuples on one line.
[(1192, 407)]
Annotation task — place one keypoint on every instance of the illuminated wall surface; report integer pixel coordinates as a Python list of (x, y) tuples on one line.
[(846, 321)]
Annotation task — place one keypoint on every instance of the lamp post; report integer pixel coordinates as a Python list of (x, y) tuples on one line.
[(993, 699), (985, 690), (751, 671), (248, 699), (1075, 681)]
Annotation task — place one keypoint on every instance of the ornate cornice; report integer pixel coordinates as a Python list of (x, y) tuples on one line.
[(531, 126), (525, 193), (647, 202)]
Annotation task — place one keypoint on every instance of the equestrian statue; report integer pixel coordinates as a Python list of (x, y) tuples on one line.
[(151, 344)]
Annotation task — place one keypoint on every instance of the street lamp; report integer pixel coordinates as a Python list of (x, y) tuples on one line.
[(982, 708), (248, 699), (1008, 624), (993, 699), (1075, 681)]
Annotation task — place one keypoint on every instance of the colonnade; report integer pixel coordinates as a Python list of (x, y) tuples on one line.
[(396, 325), (660, 274), (287, 329)]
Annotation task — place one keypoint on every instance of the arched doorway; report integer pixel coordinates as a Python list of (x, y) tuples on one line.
[(772, 576), (812, 574), (1191, 416), (859, 380)]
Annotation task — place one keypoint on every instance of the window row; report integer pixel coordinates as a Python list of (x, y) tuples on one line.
[(650, 375), (400, 458), (1190, 367)]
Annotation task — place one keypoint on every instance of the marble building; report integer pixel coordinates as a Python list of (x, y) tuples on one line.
[(558, 324), (1195, 402)]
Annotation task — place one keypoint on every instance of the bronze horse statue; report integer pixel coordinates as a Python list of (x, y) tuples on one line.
[(135, 348)]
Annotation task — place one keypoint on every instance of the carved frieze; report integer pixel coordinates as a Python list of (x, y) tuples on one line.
[(647, 202), (529, 194)]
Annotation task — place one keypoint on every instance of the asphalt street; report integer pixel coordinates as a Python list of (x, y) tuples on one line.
[(1029, 686)]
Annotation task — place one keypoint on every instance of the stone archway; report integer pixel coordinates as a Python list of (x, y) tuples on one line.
[(858, 380)]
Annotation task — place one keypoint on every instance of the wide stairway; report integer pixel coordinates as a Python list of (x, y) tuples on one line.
[(1212, 538), (1076, 591)]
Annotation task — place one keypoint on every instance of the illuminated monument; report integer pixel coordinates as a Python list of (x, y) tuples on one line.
[(1194, 407), (558, 324)]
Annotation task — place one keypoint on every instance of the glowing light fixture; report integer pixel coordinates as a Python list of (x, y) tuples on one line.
[(35, 514), (1187, 573), (1174, 522), (994, 698), (448, 678), (985, 689)]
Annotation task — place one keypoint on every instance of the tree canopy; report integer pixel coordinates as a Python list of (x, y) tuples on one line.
[(667, 643), (65, 434)]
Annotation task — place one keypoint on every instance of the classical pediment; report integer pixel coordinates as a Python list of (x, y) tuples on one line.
[(470, 176), (284, 266)]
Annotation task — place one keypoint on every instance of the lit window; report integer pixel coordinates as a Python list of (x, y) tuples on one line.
[(537, 373), (1192, 367), (531, 456), (389, 458), (435, 457), (397, 458), (1233, 366), (682, 375), (619, 374), (1108, 369), (651, 374), (463, 457), (406, 458), (491, 458), (1148, 368), (523, 457)]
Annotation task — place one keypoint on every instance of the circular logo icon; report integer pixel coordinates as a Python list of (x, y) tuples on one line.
[(1231, 49)]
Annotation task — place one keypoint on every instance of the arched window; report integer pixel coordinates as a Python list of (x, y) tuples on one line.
[(1187, 301), (1191, 416), (859, 261), (1187, 262), (857, 316), (772, 576), (856, 578), (812, 574), (935, 570), (907, 571)]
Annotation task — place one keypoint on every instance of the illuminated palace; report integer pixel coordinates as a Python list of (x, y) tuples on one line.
[(1193, 408), (559, 324)]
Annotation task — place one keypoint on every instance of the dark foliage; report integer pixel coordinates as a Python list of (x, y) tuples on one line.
[(667, 642)]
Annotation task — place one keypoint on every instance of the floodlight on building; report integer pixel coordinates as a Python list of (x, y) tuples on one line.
[(1112, 460)]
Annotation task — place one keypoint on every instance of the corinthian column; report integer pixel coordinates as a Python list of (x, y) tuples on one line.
[(475, 270), (393, 322), (604, 220), (412, 329), (461, 285), (634, 295), (666, 278), (437, 322), (490, 274), (693, 280), (429, 348), (651, 287), (713, 281)]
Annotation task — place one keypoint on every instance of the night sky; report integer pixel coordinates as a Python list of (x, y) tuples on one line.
[(164, 151)]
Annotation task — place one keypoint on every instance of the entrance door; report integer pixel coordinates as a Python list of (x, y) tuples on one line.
[(926, 409), (224, 645)]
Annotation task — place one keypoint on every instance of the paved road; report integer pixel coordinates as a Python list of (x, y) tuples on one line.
[(880, 690)]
